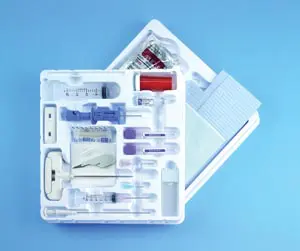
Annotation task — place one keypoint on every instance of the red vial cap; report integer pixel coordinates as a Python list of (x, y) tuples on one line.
[(155, 83)]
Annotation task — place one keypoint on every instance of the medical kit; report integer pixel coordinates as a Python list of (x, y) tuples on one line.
[(113, 146), (133, 143)]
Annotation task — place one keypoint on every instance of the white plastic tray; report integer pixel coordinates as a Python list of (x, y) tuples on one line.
[(69, 143)]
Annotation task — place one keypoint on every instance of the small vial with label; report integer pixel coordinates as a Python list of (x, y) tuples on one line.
[(146, 133), (147, 149), (149, 100)]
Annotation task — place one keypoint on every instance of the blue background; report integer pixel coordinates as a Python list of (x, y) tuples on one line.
[(252, 203)]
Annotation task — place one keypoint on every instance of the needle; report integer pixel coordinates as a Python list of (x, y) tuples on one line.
[(102, 176), (55, 212), (72, 176)]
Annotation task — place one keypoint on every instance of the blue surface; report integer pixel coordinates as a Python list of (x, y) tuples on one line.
[(251, 204)]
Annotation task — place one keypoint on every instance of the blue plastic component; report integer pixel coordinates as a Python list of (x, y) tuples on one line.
[(115, 115)]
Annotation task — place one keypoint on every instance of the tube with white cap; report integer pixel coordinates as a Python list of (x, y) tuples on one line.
[(147, 149), (146, 133)]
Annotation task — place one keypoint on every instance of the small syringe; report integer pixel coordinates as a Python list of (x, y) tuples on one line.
[(112, 197), (107, 198)]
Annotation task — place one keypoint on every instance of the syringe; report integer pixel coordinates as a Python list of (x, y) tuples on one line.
[(91, 90), (107, 197), (116, 114)]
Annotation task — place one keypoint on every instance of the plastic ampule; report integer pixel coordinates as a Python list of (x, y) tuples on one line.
[(138, 163)]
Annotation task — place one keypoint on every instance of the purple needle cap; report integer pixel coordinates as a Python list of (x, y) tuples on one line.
[(129, 149), (129, 133)]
